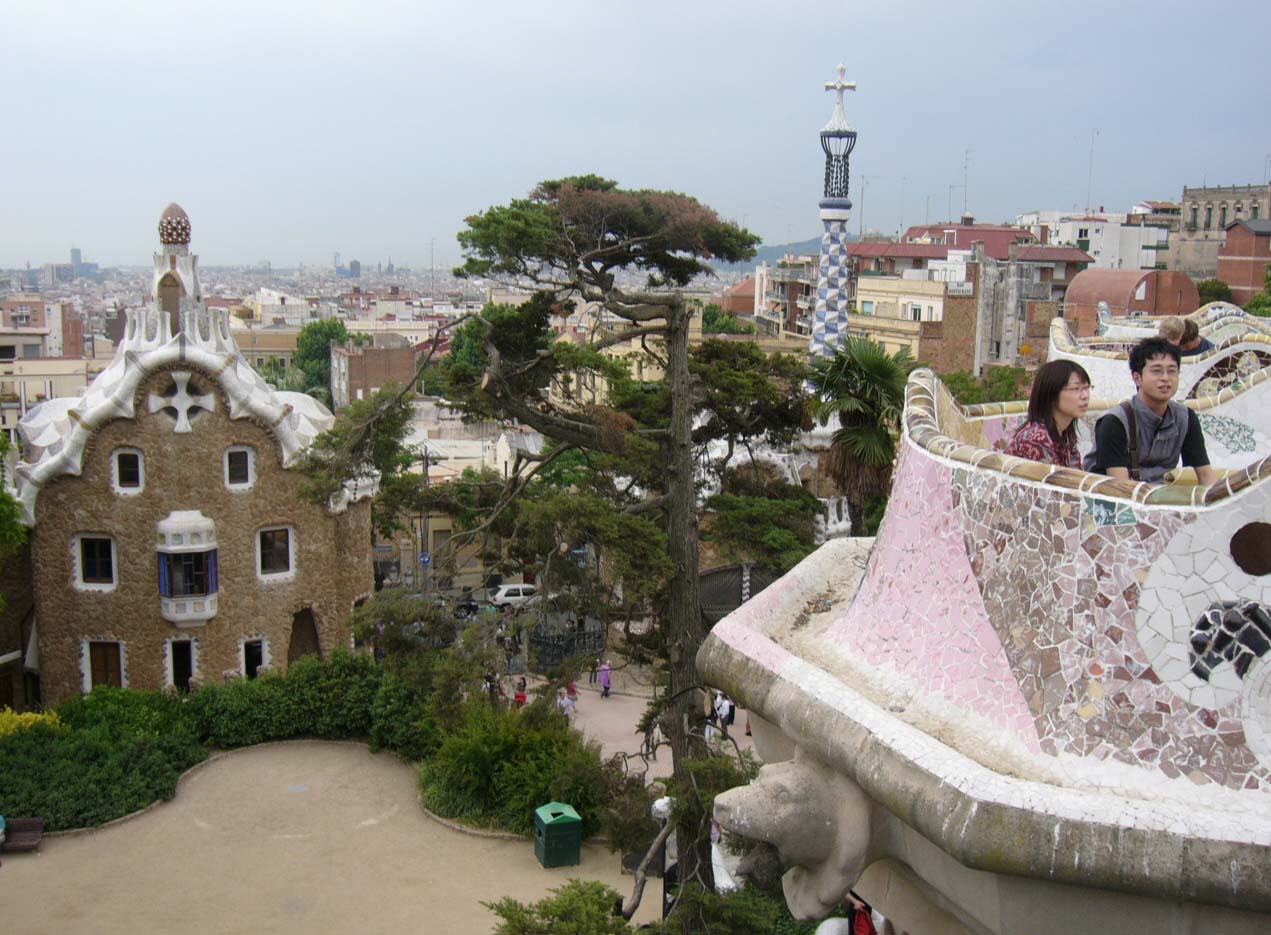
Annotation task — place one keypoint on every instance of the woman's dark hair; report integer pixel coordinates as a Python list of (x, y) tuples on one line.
[(1047, 385)]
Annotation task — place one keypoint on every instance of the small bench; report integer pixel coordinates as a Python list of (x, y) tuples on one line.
[(22, 834)]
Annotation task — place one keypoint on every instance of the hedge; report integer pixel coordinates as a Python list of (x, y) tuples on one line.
[(499, 765), (118, 750)]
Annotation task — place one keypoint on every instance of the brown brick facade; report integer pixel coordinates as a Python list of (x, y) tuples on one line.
[(949, 345), (1243, 262), (1037, 331), (332, 565), (15, 585), (357, 372)]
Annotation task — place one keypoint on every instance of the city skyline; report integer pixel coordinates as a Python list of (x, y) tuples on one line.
[(293, 133)]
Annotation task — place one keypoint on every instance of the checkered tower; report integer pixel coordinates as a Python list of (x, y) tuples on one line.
[(838, 138)]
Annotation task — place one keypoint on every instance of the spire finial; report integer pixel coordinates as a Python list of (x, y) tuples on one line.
[(838, 120)]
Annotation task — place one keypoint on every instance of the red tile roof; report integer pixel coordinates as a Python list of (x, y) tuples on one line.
[(1036, 254), (997, 238), (443, 347), (879, 248)]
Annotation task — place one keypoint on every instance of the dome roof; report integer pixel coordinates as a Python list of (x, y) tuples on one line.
[(174, 225)]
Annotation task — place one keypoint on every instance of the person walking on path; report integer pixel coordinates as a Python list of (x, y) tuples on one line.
[(591, 676), (723, 713), (606, 680), (566, 705)]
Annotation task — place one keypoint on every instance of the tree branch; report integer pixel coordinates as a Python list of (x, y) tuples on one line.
[(642, 872), (645, 506), (661, 361), (511, 490), (627, 335)]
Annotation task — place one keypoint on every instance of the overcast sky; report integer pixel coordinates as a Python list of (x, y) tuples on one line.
[(289, 131)]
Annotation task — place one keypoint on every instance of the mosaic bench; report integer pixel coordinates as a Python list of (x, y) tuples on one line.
[(1035, 684)]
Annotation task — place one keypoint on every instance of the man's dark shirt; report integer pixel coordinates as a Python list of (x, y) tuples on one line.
[(1114, 449), (1204, 345)]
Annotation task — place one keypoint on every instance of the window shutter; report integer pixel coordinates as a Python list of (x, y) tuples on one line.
[(212, 587), (165, 586)]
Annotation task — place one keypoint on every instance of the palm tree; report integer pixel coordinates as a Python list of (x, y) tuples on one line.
[(865, 387)]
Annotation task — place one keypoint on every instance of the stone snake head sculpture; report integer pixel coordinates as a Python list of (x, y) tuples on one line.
[(820, 822)]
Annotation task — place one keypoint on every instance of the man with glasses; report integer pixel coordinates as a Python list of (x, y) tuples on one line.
[(1161, 428)]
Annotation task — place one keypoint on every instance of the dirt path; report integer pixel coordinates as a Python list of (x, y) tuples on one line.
[(304, 837), (612, 722)]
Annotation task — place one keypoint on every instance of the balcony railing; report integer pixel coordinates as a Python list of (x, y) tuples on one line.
[(188, 611), (792, 274)]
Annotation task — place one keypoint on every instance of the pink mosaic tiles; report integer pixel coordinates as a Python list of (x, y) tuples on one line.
[(1064, 616), (919, 611)]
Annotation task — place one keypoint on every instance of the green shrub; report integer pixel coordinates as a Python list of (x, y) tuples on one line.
[(245, 712), (627, 820), (331, 699), (123, 712), (118, 751), (400, 720), (499, 765), (586, 907), (741, 912), (580, 907)]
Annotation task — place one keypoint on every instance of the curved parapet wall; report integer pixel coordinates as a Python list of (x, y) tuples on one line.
[(1048, 674), (1242, 345), (1215, 318)]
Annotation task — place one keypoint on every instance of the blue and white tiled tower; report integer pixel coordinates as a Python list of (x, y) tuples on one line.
[(837, 140)]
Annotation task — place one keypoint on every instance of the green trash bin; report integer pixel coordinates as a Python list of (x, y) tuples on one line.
[(558, 835)]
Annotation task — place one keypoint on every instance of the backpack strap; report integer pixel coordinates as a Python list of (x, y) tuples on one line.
[(1133, 433)]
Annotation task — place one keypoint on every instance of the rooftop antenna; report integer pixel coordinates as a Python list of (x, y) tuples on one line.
[(864, 179), (900, 228), (1090, 169), (966, 166)]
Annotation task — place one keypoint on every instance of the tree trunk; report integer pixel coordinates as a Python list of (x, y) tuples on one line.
[(685, 629), (856, 513)]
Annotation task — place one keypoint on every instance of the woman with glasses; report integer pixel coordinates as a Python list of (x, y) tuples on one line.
[(1060, 396)]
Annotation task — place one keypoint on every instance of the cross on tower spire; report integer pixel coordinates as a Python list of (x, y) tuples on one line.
[(838, 121)]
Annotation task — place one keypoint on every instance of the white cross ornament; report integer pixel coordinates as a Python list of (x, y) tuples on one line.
[(838, 120), (178, 398), (840, 85)]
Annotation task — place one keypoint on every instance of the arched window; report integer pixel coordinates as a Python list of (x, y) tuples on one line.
[(170, 299)]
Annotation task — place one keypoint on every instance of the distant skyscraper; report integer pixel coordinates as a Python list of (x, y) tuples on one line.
[(76, 258), (355, 269), (837, 140)]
